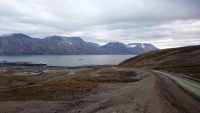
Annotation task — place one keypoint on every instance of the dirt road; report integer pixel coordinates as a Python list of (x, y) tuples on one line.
[(153, 93), (190, 85)]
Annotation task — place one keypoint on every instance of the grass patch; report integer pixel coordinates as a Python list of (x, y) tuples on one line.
[(64, 90), (70, 88), (9, 80), (113, 77)]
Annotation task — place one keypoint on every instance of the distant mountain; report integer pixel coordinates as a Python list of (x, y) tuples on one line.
[(132, 48), (71, 45), (20, 44), (116, 48), (23, 44), (94, 44)]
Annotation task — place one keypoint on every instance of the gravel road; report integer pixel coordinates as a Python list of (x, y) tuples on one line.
[(154, 93), (189, 85)]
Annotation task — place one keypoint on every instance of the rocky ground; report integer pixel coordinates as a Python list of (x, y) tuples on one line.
[(106, 90)]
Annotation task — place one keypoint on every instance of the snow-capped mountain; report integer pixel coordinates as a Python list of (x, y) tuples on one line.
[(131, 48), (116, 48), (143, 45)]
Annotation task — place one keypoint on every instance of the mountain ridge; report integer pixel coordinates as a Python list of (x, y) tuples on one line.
[(19, 43), (137, 48)]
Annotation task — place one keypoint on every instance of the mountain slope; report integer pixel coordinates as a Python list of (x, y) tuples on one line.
[(19, 44), (116, 48), (184, 60), (71, 45), (94, 44), (166, 57)]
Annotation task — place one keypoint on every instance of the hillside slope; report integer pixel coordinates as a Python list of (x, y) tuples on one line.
[(184, 60)]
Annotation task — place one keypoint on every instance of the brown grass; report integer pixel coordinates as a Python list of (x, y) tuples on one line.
[(65, 90), (113, 77), (189, 69), (11, 79), (69, 88), (156, 59), (185, 60)]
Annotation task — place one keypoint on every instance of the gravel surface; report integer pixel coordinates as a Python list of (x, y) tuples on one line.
[(189, 85)]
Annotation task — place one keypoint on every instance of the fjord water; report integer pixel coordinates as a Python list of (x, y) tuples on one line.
[(67, 60)]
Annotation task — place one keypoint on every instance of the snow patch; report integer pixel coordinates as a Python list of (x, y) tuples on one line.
[(131, 46), (63, 38), (143, 45), (48, 38)]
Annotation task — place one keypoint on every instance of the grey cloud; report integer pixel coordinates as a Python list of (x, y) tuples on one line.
[(161, 22)]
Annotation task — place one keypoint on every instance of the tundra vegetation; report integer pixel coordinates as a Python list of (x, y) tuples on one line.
[(56, 85)]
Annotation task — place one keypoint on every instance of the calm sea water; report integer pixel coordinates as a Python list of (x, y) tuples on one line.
[(68, 60)]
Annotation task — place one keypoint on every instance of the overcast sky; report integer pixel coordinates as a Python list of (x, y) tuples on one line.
[(164, 23)]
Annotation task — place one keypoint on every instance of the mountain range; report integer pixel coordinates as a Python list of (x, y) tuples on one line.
[(20, 44)]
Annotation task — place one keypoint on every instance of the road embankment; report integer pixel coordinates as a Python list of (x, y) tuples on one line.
[(189, 85)]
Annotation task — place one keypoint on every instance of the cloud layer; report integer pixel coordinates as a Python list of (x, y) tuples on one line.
[(164, 23)]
